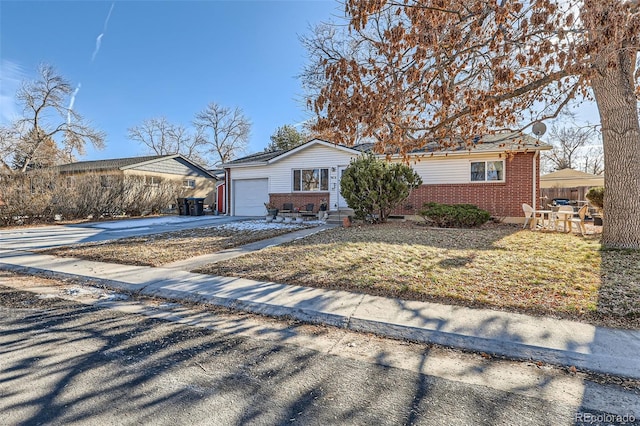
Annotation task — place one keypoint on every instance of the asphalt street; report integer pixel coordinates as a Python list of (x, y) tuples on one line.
[(97, 357)]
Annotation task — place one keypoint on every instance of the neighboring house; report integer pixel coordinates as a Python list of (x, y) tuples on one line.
[(196, 181), (568, 183), (498, 175)]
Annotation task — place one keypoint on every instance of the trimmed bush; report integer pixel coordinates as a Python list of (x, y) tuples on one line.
[(453, 215), (596, 197), (373, 187)]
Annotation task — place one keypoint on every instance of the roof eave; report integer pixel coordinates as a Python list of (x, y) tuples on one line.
[(472, 152), (310, 144), (247, 164), (144, 163), (169, 157)]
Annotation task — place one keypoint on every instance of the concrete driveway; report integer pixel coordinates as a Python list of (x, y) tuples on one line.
[(31, 238)]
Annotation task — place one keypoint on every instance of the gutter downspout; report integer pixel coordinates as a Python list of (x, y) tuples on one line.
[(535, 179), (227, 192)]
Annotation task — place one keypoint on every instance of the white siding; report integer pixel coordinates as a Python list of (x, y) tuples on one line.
[(314, 157), (260, 172), (451, 169), (443, 171), (280, 172), (174, 166)]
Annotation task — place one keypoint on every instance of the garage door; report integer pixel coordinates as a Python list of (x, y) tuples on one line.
[(249, 196)]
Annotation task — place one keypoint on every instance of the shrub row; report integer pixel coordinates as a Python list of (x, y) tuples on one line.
[(453, 215), (42, 196)]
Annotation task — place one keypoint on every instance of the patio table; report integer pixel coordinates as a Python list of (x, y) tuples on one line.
[(543, 213), (564, 216)]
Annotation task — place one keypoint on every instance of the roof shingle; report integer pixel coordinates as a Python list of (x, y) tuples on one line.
[(102, 165)]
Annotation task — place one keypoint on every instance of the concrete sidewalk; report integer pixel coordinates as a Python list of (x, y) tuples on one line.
[(516, 336), (198, 261)]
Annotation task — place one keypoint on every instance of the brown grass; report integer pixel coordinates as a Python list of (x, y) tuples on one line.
[(160, 249), (501, 267)]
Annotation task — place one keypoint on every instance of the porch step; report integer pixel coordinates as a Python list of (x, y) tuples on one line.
[(336, 216)]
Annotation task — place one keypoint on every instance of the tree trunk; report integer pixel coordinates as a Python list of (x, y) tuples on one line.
[(613, 88)]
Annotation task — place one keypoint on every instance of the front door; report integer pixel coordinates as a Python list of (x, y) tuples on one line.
[(341, 201)]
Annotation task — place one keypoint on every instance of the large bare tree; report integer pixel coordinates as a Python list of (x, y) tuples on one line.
[(47, 116), (573, 148), (442, 68), (161, 137), (225, 131)]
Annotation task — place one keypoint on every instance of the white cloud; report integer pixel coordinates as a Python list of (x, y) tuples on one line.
[(11, 76)]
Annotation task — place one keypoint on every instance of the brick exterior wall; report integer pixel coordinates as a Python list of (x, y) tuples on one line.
[(500, 199), (300, 199)]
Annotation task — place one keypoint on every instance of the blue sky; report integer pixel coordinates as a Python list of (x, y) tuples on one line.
[(163, 58)]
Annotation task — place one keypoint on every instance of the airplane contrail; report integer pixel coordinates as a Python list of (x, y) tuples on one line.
[(104, 30), (98, 42), (106, 21), (71, 102)]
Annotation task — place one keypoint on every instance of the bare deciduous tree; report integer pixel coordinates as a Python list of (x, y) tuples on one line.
[(46, 116), (594, 160), (9, 136), (436, 69), (225, 131), (572, 149), (162, 138)]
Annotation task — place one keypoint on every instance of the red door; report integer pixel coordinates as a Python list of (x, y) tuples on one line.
[(222, 208)]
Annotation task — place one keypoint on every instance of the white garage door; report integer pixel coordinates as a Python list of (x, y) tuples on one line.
[(249, 196)]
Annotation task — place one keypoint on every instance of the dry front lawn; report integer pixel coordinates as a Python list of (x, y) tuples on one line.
[(501, 267), (160, 249)]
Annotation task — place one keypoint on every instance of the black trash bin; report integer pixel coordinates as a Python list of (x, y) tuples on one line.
[(183, 207), (196, 206)]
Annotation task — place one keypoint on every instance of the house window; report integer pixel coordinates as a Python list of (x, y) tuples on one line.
[(189, 183), (153, 180), (487, 171), (311, 180)]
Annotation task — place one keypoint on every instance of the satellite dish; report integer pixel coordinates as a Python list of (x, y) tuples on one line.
[(539, 128)]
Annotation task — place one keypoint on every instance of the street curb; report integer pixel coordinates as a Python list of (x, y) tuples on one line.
[(494, 347)]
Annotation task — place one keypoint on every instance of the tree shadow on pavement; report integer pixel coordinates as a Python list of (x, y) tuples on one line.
[(63, 363)]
